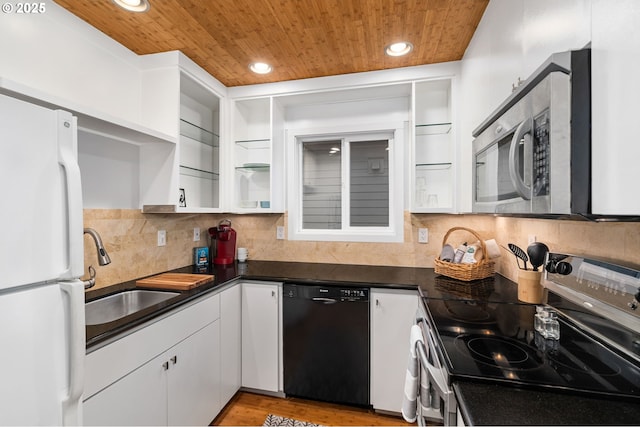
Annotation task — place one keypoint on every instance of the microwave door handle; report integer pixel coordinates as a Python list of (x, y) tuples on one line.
[(523, 132)]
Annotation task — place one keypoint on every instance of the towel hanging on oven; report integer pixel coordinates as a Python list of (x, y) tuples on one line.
[(416, 384)]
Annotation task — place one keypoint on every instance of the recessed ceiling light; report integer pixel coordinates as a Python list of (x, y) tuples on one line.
[(398, 49), (133, 5), (260, 67)]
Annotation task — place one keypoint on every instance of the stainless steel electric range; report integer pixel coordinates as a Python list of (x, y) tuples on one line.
[(481, 332)]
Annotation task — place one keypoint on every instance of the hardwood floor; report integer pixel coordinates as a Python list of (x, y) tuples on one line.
[(249, 409)]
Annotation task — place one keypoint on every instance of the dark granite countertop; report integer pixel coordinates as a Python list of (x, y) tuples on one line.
[(343, 274), (480, 403), (494, 404)]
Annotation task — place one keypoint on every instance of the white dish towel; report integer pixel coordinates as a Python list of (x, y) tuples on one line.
[(414, 377)]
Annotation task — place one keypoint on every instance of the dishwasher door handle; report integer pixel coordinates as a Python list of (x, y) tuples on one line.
[(325, 300)]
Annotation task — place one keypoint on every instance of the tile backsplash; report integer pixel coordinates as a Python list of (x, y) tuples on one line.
[(130, 238), (614, 240)]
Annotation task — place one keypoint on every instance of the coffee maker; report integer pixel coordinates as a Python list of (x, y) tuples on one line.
[(225, 239)]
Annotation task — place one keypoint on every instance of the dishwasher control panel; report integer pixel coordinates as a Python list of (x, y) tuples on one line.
[(334, 292), (354, 293)]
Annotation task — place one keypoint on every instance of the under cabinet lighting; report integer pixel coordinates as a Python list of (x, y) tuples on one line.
[(133, 5), (398, 49), (260, 67)]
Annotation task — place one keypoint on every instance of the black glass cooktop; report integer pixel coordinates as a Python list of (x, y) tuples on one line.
[(493, 337)]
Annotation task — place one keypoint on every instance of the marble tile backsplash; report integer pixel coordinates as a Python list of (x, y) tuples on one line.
[(130, 238), (614, 240)]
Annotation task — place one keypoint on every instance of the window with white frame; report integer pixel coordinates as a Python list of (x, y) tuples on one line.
[(346, 187)]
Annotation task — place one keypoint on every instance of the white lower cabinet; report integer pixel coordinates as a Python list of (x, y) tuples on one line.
[(193, 369), (179, 387), (261, 337), (167, 373), (230, 341), (393, 312), (140, 398)]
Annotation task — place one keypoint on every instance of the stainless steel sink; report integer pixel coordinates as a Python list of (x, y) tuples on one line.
[(116, 306)]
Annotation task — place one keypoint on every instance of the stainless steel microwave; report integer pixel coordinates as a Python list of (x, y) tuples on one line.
[(532, 155)]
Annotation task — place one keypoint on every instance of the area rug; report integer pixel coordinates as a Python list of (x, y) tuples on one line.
[(275, 420)]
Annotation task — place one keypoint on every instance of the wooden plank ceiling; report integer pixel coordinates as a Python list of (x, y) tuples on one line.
[(300, 38)]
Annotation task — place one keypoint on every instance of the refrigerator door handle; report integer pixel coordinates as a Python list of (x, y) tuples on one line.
[(68, 160), (77, 345)]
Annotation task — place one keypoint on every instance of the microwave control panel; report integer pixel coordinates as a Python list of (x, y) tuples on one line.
[(541, 155)]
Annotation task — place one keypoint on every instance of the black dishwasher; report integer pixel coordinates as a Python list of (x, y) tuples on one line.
[(326, 343)]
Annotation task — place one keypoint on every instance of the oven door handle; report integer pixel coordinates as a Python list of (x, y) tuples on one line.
[(523, 132), (430, 343), (441, 390), (435, 373)]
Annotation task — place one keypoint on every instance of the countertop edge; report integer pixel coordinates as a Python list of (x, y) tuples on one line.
[(273, 271)]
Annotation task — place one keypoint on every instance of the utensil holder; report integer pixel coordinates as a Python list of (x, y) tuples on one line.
[(530, 288)]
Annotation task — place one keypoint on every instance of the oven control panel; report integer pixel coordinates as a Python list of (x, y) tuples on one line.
[(604, 281)]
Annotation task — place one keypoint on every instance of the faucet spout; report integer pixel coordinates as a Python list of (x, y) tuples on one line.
[(103, 256)]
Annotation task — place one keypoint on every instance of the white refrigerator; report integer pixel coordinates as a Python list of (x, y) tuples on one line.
[(42, 327)]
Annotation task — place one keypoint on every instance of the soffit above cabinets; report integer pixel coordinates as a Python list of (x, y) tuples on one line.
[(299, 38)]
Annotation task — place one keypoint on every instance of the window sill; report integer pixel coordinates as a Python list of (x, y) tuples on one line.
[(365, 235)]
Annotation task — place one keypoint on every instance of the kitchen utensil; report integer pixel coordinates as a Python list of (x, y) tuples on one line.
[(519, 253), (174, 281), (537, 252)]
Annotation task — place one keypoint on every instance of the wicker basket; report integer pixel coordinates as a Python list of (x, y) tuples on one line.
[(476, 289), (466, 272)]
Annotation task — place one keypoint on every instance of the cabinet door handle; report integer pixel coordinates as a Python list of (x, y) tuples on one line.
[(165, 366), (273, 293), (174, 359), (377, 302)]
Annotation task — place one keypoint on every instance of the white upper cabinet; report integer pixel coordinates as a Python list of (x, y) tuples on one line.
[(81, 68), (183, 100), (268, 119), (199, 164), (615, 56), (258, 156), (433, 155)]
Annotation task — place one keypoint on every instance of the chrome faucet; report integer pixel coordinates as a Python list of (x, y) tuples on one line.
[(103, 257)]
